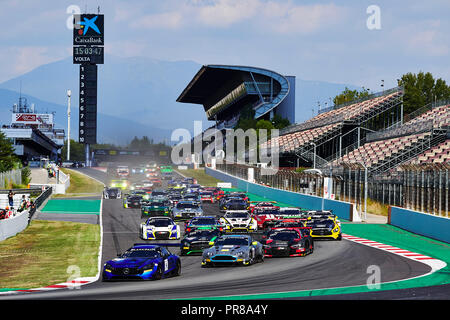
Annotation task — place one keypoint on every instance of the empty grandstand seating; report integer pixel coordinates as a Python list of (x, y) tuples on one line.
[(387, 149), (327, 125), (437, 154)]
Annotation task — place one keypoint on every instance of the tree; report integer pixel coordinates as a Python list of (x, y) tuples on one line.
[(8, 159), (76, 151), (350, 95), (421, 89)]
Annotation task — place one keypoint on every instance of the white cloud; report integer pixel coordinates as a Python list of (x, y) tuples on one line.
[(266, 16)]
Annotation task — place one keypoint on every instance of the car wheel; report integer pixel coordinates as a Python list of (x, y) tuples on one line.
[(177, 270), (158, 273)]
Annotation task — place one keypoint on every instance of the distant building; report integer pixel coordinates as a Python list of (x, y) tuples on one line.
[(33, 134), (225, 91)]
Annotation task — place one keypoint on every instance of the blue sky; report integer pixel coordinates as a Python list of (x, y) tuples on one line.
[(313, 40)]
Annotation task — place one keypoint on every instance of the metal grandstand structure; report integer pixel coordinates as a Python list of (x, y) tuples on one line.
[(327, 136)]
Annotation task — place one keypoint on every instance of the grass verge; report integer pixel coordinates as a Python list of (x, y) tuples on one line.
[(79, 184), (201, 177), (40, 255)]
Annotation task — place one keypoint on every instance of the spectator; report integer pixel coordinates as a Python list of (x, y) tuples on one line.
[(11, 199)]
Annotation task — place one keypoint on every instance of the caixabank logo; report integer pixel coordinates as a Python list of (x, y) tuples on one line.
[(88, 29)]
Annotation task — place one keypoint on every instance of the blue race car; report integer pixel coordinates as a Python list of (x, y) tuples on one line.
[(142, 262)]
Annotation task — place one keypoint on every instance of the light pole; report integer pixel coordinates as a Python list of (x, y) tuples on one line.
[(314, 160), (69, 94), (365, 192)]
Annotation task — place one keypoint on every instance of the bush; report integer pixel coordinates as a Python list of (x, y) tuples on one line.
[(26, 175)]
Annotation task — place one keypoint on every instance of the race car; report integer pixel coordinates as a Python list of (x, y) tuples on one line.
[(289, 242), (123, 172), (266, 217), (196, 241), (238, 221), (202, 223), (206, 196), (112, 193), (217, 192), (157, 228), (155, 207), (156, 182), (174, 199), (192, 196), (234, 204), (263, 205), (291, 223), (132, 201), (233, 195), (119, 183), (186, 210), (233, 249), (325, 228), (136, 186), (142, 261)]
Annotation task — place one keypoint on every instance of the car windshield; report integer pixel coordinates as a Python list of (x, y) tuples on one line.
[(284, 236), (158, 193), (141, 253), (235, 202), (204, 234), (160, 222), (237, 215), (232, 241), (187, 205), (261, 212), (156, 204), (206, 193), (322, 224), (291, 211), (204, 221)]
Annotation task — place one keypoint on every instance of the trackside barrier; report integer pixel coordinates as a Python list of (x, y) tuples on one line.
[(424, 224), (343, 210), (12, 226)]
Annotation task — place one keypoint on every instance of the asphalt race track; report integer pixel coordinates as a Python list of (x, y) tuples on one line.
[(333, 264)]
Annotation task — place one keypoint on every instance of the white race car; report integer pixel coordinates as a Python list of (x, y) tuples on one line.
[(156, 228), (238, 221)]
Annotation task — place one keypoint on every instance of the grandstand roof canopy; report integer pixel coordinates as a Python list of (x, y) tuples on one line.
[(224, 87)]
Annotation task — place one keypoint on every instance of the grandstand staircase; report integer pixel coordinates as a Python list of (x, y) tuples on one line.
[(436, 137)]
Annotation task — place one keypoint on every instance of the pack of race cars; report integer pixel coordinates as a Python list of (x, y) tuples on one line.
[(242, 232)]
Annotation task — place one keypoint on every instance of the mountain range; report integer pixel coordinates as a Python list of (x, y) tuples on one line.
[(136, 96)]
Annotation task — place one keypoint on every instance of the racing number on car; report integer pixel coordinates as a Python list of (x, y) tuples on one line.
[(166, 264)]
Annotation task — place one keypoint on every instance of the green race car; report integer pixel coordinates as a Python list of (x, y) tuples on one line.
[(155, 208)]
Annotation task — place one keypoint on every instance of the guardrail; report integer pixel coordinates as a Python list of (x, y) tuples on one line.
[(427, 225)]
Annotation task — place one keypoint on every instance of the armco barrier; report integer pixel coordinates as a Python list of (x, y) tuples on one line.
[(343, 210), (425, 224), (11, 226)]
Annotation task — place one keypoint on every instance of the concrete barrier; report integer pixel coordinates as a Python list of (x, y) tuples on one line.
[(12, 226), (424, 224), (343, 210)]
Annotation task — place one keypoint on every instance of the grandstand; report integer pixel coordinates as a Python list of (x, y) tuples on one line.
[(225, 91), (329, 135), (422, 139)]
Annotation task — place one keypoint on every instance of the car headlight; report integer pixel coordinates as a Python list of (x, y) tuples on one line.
[(336, 230), (209, 253)]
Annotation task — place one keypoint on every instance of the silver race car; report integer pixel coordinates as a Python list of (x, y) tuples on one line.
[(185, 210), (233, 249)]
